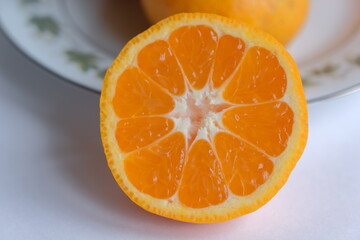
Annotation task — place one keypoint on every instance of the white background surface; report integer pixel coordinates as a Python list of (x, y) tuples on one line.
[(55, 184)]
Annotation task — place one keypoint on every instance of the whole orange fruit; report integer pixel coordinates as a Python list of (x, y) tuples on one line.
[(280, 18)]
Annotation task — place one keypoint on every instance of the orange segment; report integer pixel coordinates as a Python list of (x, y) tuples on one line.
[(244, 167), (135, 133), (228, 55), (159, 63), (156, 171), (203, 183), (195, 48), (136, 95), (259, 79), (268, 126)]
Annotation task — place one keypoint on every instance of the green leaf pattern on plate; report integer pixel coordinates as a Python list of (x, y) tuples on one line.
[(45, 24), (85, 61), (101, 73), (355, 60), (327, 69)]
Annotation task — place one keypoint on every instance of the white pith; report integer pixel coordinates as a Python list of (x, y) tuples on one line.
[(202, 100)]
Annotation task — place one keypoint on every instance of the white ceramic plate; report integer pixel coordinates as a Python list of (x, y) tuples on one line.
[(78, 40)]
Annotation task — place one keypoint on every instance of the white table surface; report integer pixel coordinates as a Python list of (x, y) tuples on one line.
[(55, 184)]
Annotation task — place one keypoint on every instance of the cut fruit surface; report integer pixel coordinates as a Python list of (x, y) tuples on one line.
[(202, 118)]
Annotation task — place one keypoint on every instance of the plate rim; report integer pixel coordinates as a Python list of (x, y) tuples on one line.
[(37, 63)]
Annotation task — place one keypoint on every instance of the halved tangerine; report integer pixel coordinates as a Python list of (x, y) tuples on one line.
[(202, 118)]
